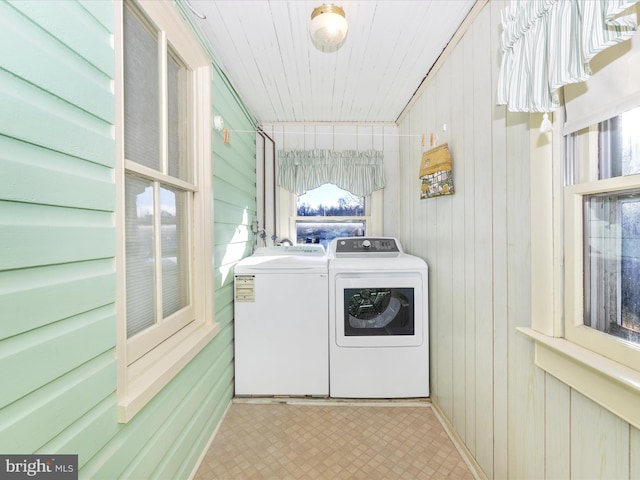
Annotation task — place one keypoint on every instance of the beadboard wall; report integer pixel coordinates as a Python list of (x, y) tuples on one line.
[(517, 421)]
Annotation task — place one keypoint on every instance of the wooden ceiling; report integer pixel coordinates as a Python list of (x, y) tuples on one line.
[(266, 50)]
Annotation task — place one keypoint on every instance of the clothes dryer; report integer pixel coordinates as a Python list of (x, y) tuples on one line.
[(378, 320), (281, 322)]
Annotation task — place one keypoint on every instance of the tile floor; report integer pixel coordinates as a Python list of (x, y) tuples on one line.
[(322, 440)]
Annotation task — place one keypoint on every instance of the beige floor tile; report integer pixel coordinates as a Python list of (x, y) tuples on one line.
[(278, 441)]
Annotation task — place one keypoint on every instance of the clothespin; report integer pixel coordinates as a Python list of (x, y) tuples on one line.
[(226, 135)]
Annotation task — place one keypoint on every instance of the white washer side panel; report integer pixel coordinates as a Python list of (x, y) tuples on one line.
[(281, 337)]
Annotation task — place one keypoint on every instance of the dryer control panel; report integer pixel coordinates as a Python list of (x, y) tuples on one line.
[(363, 246)]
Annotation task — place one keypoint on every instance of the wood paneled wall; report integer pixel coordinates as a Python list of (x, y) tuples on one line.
[(517, 421), (57, 243)]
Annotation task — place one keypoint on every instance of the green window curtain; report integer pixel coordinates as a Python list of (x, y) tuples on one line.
[(549, 43), (359, 172)]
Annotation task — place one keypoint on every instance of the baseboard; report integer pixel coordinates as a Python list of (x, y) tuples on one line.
[(208, 445), (464, 452)]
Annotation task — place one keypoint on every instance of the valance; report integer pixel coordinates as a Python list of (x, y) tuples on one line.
[(359, 172), (613, 88), (549, 43)]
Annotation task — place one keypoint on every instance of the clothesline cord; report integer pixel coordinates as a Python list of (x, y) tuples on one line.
[(335, 134)]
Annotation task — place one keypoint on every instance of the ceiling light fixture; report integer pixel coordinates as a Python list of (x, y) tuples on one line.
[(328, 25)]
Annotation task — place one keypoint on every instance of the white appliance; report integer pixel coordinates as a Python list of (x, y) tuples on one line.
[(378, 320), (281, 327)]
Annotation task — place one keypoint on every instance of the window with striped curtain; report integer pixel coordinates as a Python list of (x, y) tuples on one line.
[(332, 191)]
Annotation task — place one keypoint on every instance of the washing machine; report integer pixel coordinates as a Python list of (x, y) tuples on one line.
[(281, 322), (378, 320)]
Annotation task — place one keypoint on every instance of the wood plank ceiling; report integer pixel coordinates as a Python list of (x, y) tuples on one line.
[(266, 50)]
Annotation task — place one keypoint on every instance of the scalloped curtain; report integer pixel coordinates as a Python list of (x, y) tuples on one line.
[(359, 172), (549, 43)]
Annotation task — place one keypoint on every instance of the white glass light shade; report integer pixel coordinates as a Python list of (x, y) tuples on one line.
[(328, 25)]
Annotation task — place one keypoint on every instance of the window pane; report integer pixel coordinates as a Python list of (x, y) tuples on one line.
[(141, 93), (175, 253), (630, 265), (612, 263), (330, 200), (324, 232), (178, 112), (620, 145), (139, 254), (323, 203)]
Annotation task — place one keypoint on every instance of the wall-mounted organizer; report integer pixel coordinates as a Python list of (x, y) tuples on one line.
[(435, 172)]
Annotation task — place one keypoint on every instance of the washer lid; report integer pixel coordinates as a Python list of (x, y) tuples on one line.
[(285, 260), (314, 250)]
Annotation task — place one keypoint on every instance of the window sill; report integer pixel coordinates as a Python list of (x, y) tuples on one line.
[(606, 382), (148, 375)]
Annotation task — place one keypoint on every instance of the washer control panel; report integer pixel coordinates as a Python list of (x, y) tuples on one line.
[(367, 245)]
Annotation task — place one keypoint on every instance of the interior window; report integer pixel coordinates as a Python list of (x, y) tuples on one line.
[(611, 229), (329, 212)]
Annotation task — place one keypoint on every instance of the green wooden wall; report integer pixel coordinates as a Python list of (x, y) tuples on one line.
[(57, 243)]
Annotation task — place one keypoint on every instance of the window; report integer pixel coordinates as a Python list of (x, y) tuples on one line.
[(585, 190), (329, 212), (164, 218), (584, 258), (603, 213), (313, 209)]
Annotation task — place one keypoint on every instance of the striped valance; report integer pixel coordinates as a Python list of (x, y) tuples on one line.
[(359, 172), (549, 43)]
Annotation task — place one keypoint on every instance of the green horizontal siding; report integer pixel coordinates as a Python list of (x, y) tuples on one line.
[(187, 419), (33, 235), (243, 176), (29, 423), (83, 29), (38, 175), (89, 433), (40, 118), (44, 295), (44, 61), (57, 245), (46, 354)]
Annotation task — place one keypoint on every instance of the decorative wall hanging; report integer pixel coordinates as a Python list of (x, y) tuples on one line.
[(435, 172)]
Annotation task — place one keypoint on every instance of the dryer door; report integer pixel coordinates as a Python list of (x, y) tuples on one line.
[(377, 310)]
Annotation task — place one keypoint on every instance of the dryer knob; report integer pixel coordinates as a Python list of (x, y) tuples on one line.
[(366, 243)]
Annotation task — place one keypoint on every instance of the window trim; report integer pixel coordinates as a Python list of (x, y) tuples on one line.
[(607, 382), (139, 381)]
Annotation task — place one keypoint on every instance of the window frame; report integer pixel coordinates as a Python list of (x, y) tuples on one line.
[(609, 346), (556, 294), (145, 366)]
